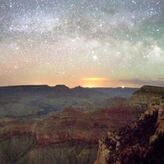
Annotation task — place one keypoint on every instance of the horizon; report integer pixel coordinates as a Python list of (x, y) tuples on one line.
[(51, 86), (56, 85), (81, 85)]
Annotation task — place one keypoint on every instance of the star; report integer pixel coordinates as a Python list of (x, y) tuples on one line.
[(95, 58), (53, 40)]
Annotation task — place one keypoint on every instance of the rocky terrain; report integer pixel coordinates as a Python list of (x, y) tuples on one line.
[(40, 100), (74, 135), (143, 96), (141, 141), (42, 124), (68, 135)]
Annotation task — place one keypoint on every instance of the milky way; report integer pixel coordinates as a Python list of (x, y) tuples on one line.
[(82, 42)]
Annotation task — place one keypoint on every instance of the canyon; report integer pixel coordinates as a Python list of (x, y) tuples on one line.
[(124, 130)]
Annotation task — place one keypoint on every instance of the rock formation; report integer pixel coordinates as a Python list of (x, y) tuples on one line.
[(146, 94), (140, 142)]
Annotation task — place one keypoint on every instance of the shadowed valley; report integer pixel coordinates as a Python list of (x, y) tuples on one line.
[(56, 125)]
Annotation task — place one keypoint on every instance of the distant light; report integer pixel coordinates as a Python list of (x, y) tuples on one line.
[(95, 57), (123, 87)]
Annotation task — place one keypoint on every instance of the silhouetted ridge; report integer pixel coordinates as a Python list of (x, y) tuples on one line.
[(146, 94), (151, 89), (61, 88), (24, 87), (78, 88)]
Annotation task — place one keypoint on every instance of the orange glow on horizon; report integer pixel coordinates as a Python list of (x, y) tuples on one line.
[(92, 82)]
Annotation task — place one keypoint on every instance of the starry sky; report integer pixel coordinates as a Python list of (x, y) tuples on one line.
[(82, 42)]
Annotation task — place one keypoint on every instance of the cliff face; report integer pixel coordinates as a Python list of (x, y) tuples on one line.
[(146, 94), (140, 142)]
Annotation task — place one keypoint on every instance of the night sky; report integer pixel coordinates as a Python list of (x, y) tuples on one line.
[(82, 42)]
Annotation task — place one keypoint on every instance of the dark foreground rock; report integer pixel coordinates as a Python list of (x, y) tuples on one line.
[(139, 143)]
